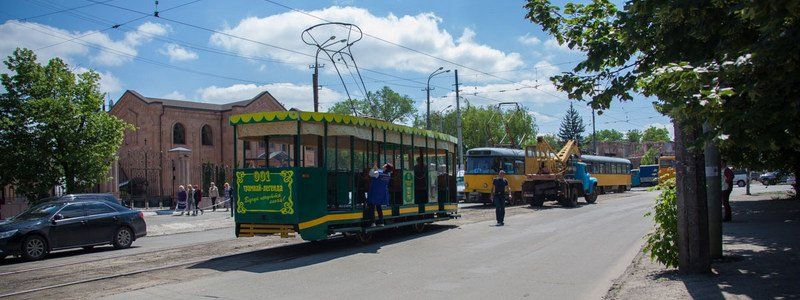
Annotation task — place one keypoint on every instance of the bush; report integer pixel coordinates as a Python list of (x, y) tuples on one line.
[(662, 243)]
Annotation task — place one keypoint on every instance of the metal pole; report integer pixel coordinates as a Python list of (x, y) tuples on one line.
[(594, 135), (713, 193), (315, 83), (458, 128), (428, 111)]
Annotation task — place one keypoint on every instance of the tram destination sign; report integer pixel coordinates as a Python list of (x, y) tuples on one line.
[(264, 191)]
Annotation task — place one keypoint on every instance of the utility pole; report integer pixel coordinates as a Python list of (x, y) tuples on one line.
[(713, 192), (315, 83), (458, 127), (594, 134)]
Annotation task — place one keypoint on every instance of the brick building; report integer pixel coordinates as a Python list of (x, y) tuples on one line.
[(146, 165)]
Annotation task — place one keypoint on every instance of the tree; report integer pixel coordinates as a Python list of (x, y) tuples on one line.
[(609, 135), (634, 136), (650, 157), (53, 130), (384, 104), (553, 140), (485, 126), (572, 126), (655, 134)]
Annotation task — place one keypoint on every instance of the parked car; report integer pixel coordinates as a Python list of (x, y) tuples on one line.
[(740, 178), (64, 224), (773, 177), (92, 197)]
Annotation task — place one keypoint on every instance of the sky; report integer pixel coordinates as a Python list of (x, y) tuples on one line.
[(224, 51)]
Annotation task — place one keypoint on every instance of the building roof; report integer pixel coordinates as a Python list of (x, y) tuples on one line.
[(494, 151), (596, 158), (202, 105)]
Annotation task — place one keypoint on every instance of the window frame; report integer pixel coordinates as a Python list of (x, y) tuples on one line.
[(175, 141), (203, 140)]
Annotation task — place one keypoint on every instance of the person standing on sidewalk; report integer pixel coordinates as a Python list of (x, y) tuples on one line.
[(226, 190), (189, 200), (499, 187), (727, 188), (198, 196), (213, 192), (181, 205)]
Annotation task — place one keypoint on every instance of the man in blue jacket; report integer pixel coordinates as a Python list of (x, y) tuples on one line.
[(378, 191)]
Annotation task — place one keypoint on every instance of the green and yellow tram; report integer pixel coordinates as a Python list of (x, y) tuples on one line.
[(319, 186)]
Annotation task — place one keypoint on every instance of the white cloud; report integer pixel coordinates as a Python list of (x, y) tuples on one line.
[(421, 32), (174, 95), (177, 53), (529, 40), (543, 118), (289, 94), (53, 42), (108, 82)]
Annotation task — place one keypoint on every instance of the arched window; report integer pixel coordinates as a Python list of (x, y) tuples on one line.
[(205, 136), (178, 134)]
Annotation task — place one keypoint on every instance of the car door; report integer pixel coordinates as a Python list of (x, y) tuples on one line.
[(69, 230), (101, 221)]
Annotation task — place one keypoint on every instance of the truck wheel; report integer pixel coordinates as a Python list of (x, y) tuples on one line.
[(538, 201), (591, 198), (570, 200)]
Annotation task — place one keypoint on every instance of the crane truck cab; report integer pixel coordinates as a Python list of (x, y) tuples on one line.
[(567, 178)]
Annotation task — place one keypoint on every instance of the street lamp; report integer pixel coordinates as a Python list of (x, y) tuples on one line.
[(441, 117), (428, 91)]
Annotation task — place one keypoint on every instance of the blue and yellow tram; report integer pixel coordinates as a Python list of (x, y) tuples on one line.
[(321, 187), (612, 173)]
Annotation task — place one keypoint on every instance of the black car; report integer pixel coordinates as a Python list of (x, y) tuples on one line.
[(99, 196), (64, 224)]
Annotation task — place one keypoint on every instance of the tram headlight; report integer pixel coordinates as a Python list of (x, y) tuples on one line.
[(485, 185), (466, 184)]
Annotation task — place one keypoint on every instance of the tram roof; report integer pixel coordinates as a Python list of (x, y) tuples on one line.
[(493, 151), (597, 158), (281, 116)]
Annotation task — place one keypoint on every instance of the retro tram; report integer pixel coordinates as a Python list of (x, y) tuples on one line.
[(315, 184)]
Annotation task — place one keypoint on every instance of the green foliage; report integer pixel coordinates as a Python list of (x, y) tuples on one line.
[(650, 157), (662, 243), (52, 127), (572, 126), (633, 136), (655, 134), (727, 63), (384, 104), (609, 135), (485, 126), (553, 140)]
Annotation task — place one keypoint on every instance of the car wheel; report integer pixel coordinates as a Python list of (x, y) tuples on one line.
[(123, 239), (34, 247), (741, 183)]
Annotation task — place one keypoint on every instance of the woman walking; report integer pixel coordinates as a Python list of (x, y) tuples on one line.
[(198, 196), (189, 199), (213, 192), (181, 205), (226, 191)]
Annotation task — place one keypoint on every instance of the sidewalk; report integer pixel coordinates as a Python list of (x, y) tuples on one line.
[(174, 224), (761, 259)]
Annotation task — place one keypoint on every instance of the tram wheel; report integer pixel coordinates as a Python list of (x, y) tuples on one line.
[(418, 227), (364, 237)]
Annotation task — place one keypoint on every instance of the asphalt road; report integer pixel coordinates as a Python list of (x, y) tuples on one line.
[(545, 253)]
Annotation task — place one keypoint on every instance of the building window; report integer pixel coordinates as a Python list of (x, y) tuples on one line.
[(178, 134), (205, 136)]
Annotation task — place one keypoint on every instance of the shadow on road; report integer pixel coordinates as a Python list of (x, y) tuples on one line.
[(310, 253), (65, 253), (761, 259)]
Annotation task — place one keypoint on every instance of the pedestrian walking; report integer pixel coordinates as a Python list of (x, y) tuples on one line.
[(181, 205), (499, 194), (226, 190), (198, 196), (727, 188), (213, 192), (378, 192), (189, 200)]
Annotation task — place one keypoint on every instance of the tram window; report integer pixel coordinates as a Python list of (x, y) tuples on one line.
[(508, 166), (520, 165)]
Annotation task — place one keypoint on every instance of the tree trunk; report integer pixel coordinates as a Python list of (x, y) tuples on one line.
[(693, 237)]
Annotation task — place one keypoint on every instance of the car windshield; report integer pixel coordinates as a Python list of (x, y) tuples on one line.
[(39, 211), (482, 165)]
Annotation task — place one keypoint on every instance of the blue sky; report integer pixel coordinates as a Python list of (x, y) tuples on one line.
[(222, 51)]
